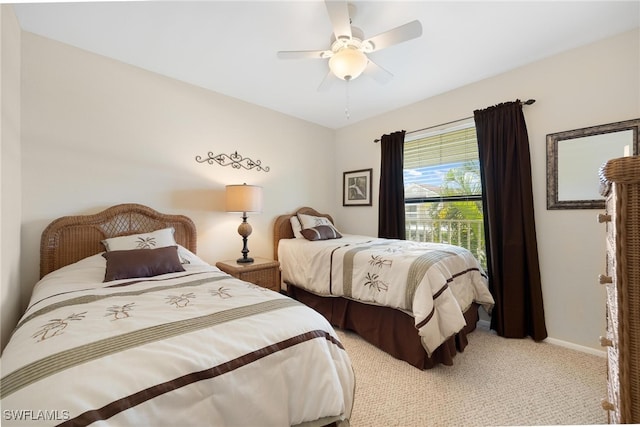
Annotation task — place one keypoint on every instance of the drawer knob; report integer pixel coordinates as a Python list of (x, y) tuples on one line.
[(607, 406), (606, 342), (604, 218), (603, 280)]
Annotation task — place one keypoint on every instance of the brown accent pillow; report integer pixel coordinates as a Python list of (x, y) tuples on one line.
[(133, 263), (321, 232)]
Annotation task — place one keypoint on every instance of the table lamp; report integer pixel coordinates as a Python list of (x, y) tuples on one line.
[(244, 198)]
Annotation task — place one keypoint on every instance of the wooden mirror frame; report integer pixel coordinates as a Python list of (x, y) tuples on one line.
[(552, 160)]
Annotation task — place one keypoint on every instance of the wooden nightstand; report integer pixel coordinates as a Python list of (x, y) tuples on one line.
[(262, 272)]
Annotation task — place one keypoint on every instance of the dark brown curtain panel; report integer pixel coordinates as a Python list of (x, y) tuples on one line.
[(512, 249), (391, 222)]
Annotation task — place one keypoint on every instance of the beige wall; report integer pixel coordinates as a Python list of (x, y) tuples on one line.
[(10, 202), (588, 86), (97, 132)]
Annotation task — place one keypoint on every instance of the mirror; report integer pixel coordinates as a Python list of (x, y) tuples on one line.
[(574, 158)]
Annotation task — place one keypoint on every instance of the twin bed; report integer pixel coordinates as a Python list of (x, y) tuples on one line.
[(146, 333), (416, 301)]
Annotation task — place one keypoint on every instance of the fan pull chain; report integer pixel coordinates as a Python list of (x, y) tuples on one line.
[(346, 108)]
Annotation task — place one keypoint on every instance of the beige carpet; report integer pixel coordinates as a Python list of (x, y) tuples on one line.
[(496, 381)]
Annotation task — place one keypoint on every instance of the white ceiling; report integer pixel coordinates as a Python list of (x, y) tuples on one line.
[(230, 47)]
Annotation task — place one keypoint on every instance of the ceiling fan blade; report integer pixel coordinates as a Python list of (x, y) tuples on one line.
[(378, 73), (396, 35), (327, 82), (302, 54), (339, 16)]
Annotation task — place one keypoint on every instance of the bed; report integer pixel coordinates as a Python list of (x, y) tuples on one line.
[(166, 340), (416, 301)]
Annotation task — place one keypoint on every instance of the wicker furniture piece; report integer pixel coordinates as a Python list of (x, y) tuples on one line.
[(620, 184), (262, 272), (72, 238), (165, 362)]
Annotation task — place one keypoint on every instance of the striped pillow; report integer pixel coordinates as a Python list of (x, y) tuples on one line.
[(321, 232)]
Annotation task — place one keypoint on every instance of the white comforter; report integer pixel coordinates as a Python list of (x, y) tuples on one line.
[(192, 348), (435, 283)]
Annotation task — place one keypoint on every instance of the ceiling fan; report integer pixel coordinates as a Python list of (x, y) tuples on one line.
[(348, 51)]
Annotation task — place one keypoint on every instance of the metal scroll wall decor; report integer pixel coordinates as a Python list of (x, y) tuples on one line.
[(234, 160)]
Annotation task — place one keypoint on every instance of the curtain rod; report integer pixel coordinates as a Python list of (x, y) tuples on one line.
[(527, 102)]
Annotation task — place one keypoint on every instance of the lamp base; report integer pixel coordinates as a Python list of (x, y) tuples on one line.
[(244, 229)]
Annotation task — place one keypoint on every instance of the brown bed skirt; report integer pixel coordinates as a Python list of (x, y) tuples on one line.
[(390, 330)]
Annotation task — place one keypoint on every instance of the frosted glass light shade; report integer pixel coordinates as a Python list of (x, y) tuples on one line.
[(348, 63), (243, 198)]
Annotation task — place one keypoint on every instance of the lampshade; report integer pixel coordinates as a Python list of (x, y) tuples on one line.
[(243, 198), (348, 63)]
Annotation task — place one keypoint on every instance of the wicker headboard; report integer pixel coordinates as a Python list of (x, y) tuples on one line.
[(72, 238), (282, 227)]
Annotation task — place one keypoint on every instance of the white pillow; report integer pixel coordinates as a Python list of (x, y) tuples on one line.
[(153, 240), (310, 221), (296, 227), (188, 257)]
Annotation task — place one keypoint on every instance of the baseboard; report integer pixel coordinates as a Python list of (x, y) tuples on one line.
[(486, 324), (578, 347)]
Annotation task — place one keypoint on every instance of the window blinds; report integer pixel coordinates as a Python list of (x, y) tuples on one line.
[(428, 158), (458, 146)]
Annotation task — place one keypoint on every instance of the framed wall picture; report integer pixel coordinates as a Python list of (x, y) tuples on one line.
[(356, 188)]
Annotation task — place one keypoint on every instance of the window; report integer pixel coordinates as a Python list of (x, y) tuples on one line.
[(443, 192)]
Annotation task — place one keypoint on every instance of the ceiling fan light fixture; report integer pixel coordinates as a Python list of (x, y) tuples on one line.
[(348, 63)]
